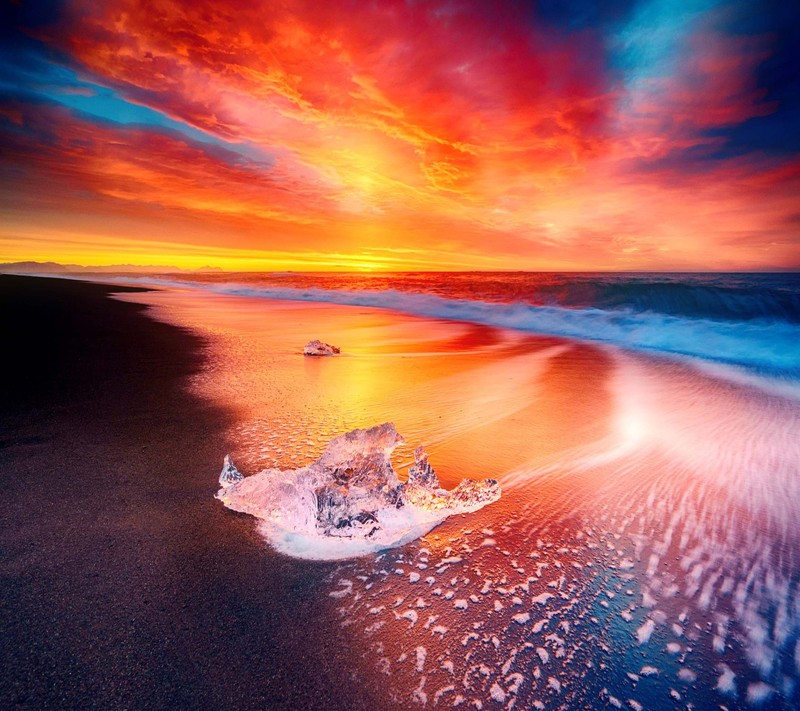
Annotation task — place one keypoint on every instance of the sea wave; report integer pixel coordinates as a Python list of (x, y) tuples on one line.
[(765, 343)]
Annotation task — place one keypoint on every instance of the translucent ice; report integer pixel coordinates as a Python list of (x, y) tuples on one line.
[(350, 501), (230, 474), (318, 348)]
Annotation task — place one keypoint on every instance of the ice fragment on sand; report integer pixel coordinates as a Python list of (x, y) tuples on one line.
[(350, 501), (318, 348), (230, 474)]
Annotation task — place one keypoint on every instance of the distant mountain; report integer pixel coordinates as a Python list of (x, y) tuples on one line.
[(55, 268)]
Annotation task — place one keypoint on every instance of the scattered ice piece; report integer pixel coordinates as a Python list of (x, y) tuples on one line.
[(350, 501), (413, 577), (318, 348), (521, 618), (648, 671), (230, 474), (635, 705), (687, 675), (460, 604), (673, 648), (554, 684)]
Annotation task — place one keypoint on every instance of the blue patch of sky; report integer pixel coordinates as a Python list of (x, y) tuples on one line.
[(777, 132), (649, 44), (26, 70)]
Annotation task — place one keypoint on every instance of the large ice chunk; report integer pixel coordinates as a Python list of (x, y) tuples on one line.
[(318, 348), (350, 501)]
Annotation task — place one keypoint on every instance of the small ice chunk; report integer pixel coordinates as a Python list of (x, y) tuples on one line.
[(230, 474), (648, 671), (521, 618), (318, 348)]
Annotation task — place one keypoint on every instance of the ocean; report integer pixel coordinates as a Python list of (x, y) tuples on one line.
[(645, 550), (744, 319)]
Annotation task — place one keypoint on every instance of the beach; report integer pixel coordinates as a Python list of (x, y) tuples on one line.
[(643, 551), (125, 584)]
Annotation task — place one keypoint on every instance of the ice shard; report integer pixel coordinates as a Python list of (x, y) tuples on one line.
[(350, 501), (318, 348), (229, 474)]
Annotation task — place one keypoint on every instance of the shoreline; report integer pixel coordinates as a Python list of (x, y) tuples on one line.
[(125, 583)]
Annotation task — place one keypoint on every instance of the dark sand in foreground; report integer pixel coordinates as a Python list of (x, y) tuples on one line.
[(124, 583)]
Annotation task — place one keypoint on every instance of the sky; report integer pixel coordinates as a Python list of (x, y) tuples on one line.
[(402, 135)]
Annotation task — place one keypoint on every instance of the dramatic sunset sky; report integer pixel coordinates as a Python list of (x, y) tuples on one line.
[(616, 135)]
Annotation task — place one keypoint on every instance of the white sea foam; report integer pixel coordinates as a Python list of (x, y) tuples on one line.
[(755, 342)]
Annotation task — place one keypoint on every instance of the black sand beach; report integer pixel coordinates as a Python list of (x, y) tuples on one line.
[(124, 584)]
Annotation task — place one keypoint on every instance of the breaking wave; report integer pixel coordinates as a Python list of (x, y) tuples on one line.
[(763, 337)]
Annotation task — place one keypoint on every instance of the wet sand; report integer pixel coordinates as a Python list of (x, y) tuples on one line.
[(124, 583), (460, 389)]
